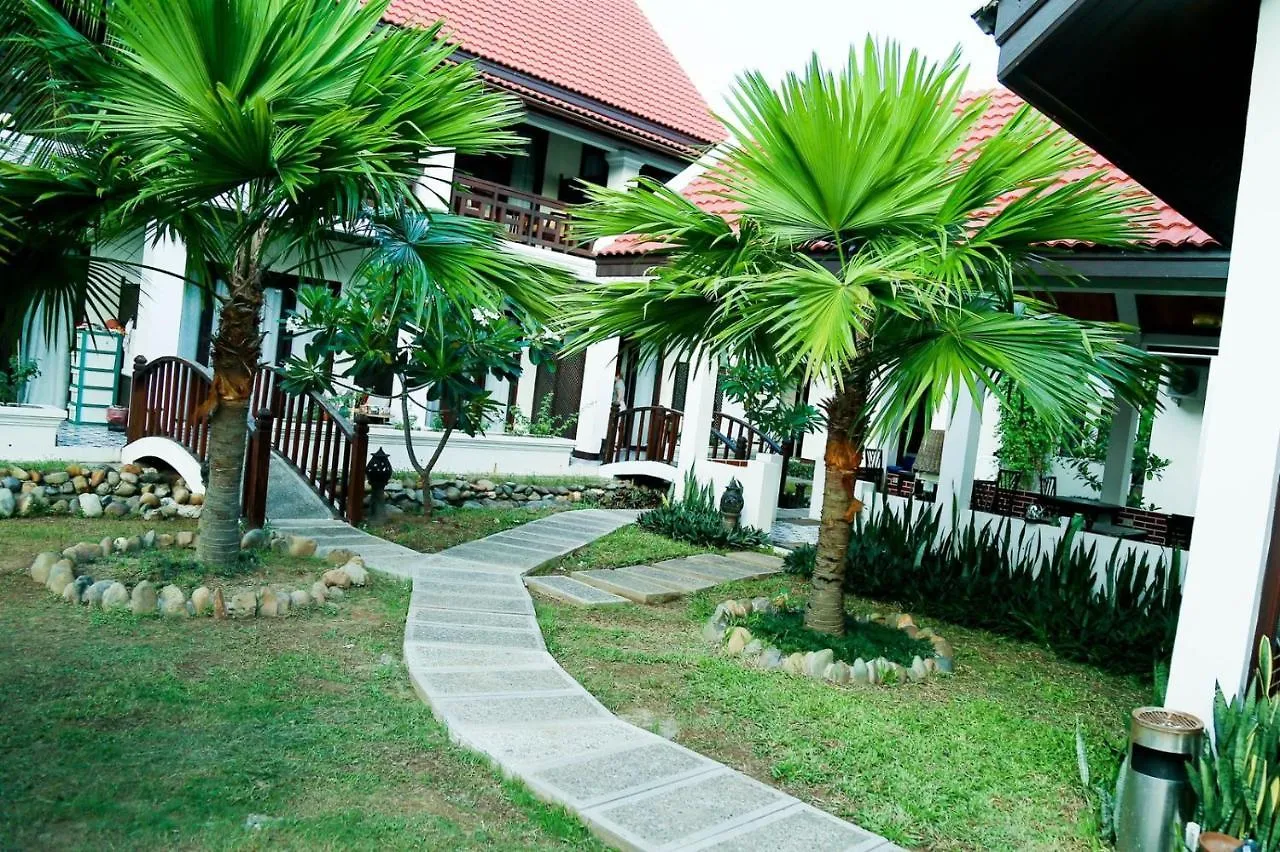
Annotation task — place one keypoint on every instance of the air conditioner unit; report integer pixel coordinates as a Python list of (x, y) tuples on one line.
[(1186, 383)]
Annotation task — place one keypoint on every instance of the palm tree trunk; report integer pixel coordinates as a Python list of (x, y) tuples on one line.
[(236, 352), (846, 431)]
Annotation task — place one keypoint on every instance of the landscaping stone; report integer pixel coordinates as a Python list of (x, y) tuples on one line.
[(173, 602), (300, 599), (185, 539), (335, 594), (355, 570), (115, 597), (339, 556), (336, 577), (8, 503), (268, 604), (763, 605), (144, 598), (219, 604), (93, 595), (115, 509), (40, 566), (945, 665), (738, 639), (301, 547), (149, 540), (243, 605), (202, 600), (164, 541), (794, 664), (61, 575), (838, 672), (254, 540), (120, 545), (917, 671), (573, 591), (83, 553), (319, 591), (57, 477), (770, 658), (816, 662), (753, 649), (71, 593), (860, 673)]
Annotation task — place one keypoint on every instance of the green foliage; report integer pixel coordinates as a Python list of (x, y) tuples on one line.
[(544, 423), (1237, 778), (13, 380), (696, 519), (1107, 797), (801, 561), (1025, 444), (785, 629), (181, 568), (984, 577), (762, 391), (800, 469)]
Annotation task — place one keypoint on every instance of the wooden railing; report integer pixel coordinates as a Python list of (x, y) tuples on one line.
[(648, 433), (534, 220), (733, 438), (325, 449), (167, 401)]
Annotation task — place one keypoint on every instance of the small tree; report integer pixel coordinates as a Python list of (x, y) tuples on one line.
[(763, 391)]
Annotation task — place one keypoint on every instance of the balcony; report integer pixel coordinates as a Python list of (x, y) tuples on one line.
[(533, 220)]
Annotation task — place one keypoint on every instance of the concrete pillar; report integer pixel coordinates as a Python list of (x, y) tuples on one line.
[(163, 293), (435, 189), (1236, 501), (816, 447), (53, 355), (623, 166), (597, 396), (1117, 470), (525, 386), (960, 451), (695, 427)]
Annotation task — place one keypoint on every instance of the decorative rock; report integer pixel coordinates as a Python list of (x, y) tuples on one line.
[(202, 600), (339, 556), (319, 592), (762, 605), (219, 604), (737, 609), (61, 575), (151, 501), (8, 503), (125, 489), (301, 547), (149, 540), (90, 505), (191, 512), (816, 662), (243, 605), (164, 541), (173, 602), (738, 639), (794, 664), (299, 599), (713, 630), (336, 577), (859, 673), (96, 478), (144, 599), (40, 567), (356, 571), (93, 595), (917, 671), (186, 538), (57, 477), (196, 500), (120, 545), (873, 673), (268, 604), (942, 647), (838, 672), (254, 540), (484, 485), (335, 594), (115, 597), (945, 665), (770, 658), (127, 475), (115, 509)]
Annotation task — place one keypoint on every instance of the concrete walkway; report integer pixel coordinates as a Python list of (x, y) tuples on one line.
[(663, 581), (476, 656)]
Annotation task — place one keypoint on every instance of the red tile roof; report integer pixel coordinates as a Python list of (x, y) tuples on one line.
[(1168, 229), (604, 49)]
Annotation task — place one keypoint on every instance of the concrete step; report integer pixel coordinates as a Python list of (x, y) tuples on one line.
[(630, 587), (708, 565), (734, 567), (755, 557), (572, 591), (650, 574), (691, 579)]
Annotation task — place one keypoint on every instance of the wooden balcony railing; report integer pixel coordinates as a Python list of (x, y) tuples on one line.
[(733, 438), (534, 220), (648, 433)]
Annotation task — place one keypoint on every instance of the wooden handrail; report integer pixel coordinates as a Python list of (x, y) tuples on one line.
[(734, 438), (166, 400), (647, 433), (531, 219)]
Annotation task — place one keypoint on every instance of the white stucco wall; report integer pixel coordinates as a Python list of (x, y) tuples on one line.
[(492, 453)]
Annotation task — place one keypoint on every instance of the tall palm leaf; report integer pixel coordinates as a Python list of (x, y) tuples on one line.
[(867, 252)]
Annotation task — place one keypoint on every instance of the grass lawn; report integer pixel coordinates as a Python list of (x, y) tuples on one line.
[(627, 546), (448, 527), (982, 760), (140, 733)]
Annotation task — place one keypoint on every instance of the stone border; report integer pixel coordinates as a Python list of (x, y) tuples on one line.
[(97, 490), (66, 575), (737, 640)]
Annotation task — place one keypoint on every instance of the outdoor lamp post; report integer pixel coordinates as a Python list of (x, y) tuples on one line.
[(731, 503), (378, 472)]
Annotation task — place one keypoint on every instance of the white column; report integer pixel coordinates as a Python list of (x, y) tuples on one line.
[(160, 302), (623, 166), (960, 451), (498, 391), (52, 355), (1117, 470), (525, 386), (597, 396), (1236, 501), (695, 427), (435, 189), (819, 392)]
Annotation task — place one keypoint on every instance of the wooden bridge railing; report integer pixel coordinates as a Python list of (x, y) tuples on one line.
[(647, 433), (736, 439), (167, 399)]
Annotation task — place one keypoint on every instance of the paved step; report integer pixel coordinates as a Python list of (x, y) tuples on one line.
[(662, 578), (572, 591), (630, 587)]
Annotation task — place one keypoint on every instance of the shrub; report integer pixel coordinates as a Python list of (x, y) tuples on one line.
[(696, 519), (985, 578), (801, 561), (867, 640), (800, 469)]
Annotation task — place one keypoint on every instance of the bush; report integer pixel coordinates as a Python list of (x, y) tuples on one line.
[(801, 561), (800, 469), (866, 640), (984, 578), (696, 519)]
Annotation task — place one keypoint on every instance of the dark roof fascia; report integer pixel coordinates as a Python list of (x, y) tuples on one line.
[(505, 73)]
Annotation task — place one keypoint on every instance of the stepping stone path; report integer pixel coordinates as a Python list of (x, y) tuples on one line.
[(663, 581), (476, 656)]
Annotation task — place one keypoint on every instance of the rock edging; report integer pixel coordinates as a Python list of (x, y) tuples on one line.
[(736, 640)]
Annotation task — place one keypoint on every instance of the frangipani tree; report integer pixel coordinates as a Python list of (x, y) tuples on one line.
[(260, 132), (871, 253)]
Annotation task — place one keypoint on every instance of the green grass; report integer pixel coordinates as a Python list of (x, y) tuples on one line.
[(448, 527), (518, 478), (867, 640), (142, 733), (629, 545), (981, 760)]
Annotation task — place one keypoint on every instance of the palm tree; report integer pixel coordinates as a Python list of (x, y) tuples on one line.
[(870, 252), (260, 132)]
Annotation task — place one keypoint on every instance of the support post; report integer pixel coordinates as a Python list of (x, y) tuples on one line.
[(611, 436), (960, 451), (624, 166), (819, 393), (695, 429), (258, 470), (1117, 470), (597, 396), (161, 297), (137, 401), (355, 474), (1236, 503)]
